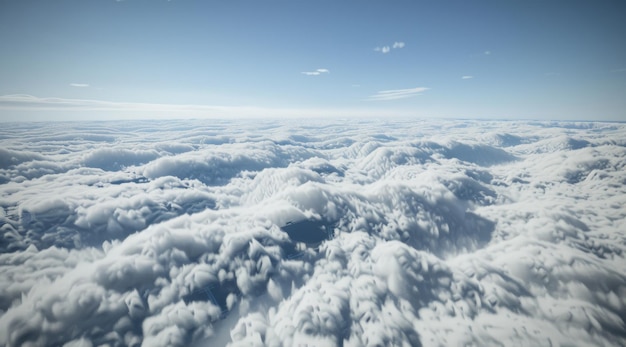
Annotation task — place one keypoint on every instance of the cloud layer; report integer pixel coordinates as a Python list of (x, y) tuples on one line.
[(282, 233)]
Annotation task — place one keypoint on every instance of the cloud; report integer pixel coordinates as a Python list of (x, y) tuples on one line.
[(324, 232), (79, 85), (386, 95), (38, 108), (487, 52), (316, 72), (466, 77), (387, 49)]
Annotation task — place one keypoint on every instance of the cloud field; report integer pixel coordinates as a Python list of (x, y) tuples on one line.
[(318, 233)]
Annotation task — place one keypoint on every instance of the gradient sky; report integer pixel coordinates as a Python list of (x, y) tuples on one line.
[(106, 59)]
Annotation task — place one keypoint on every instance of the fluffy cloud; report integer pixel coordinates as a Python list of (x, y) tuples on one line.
[(185, 233), (386, 95)]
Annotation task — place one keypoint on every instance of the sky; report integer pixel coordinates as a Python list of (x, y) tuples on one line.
[(97, 60)]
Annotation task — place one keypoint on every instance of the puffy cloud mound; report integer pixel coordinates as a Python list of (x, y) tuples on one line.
[(337, 233)]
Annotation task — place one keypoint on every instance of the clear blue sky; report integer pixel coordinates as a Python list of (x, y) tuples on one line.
[(106, 59)]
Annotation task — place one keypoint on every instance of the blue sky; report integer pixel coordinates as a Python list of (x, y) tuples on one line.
[(77, 59)]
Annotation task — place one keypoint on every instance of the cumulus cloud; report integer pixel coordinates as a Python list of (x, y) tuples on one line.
[(316, 72), (387, 49), (178, 233), (386, 95)]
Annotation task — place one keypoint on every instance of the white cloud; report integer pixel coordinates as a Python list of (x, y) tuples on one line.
[(316, 72), (387, 49), (386, 95), (79, 85), (20, 107), (466, 77), (151, 232)]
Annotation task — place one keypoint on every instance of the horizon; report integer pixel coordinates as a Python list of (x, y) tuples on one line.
[(135, 59)]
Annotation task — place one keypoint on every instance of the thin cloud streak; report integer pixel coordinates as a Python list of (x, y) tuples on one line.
[(386, 95), (467, 77), (133, 110), (316, 72), (79, 85)]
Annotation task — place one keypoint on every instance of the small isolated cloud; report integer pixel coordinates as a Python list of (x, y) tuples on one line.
[(316, 72), (387, 49), (79, 85), (467, 77), (487, 52), (386, 95)]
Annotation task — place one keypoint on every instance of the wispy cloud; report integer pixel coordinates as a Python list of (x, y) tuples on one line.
[(316, 72), (467, 77), (387, 49), (79, 85), (38, 108), (481, 54), (386, 95)]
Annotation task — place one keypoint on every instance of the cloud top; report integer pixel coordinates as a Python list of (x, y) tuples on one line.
[(318, 232)]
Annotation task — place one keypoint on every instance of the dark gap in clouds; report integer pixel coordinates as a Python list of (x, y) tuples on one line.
[(508, 140), (311, 232), (584, 170), (482, 155), (468, 189), (115, 159), (9, 158)]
